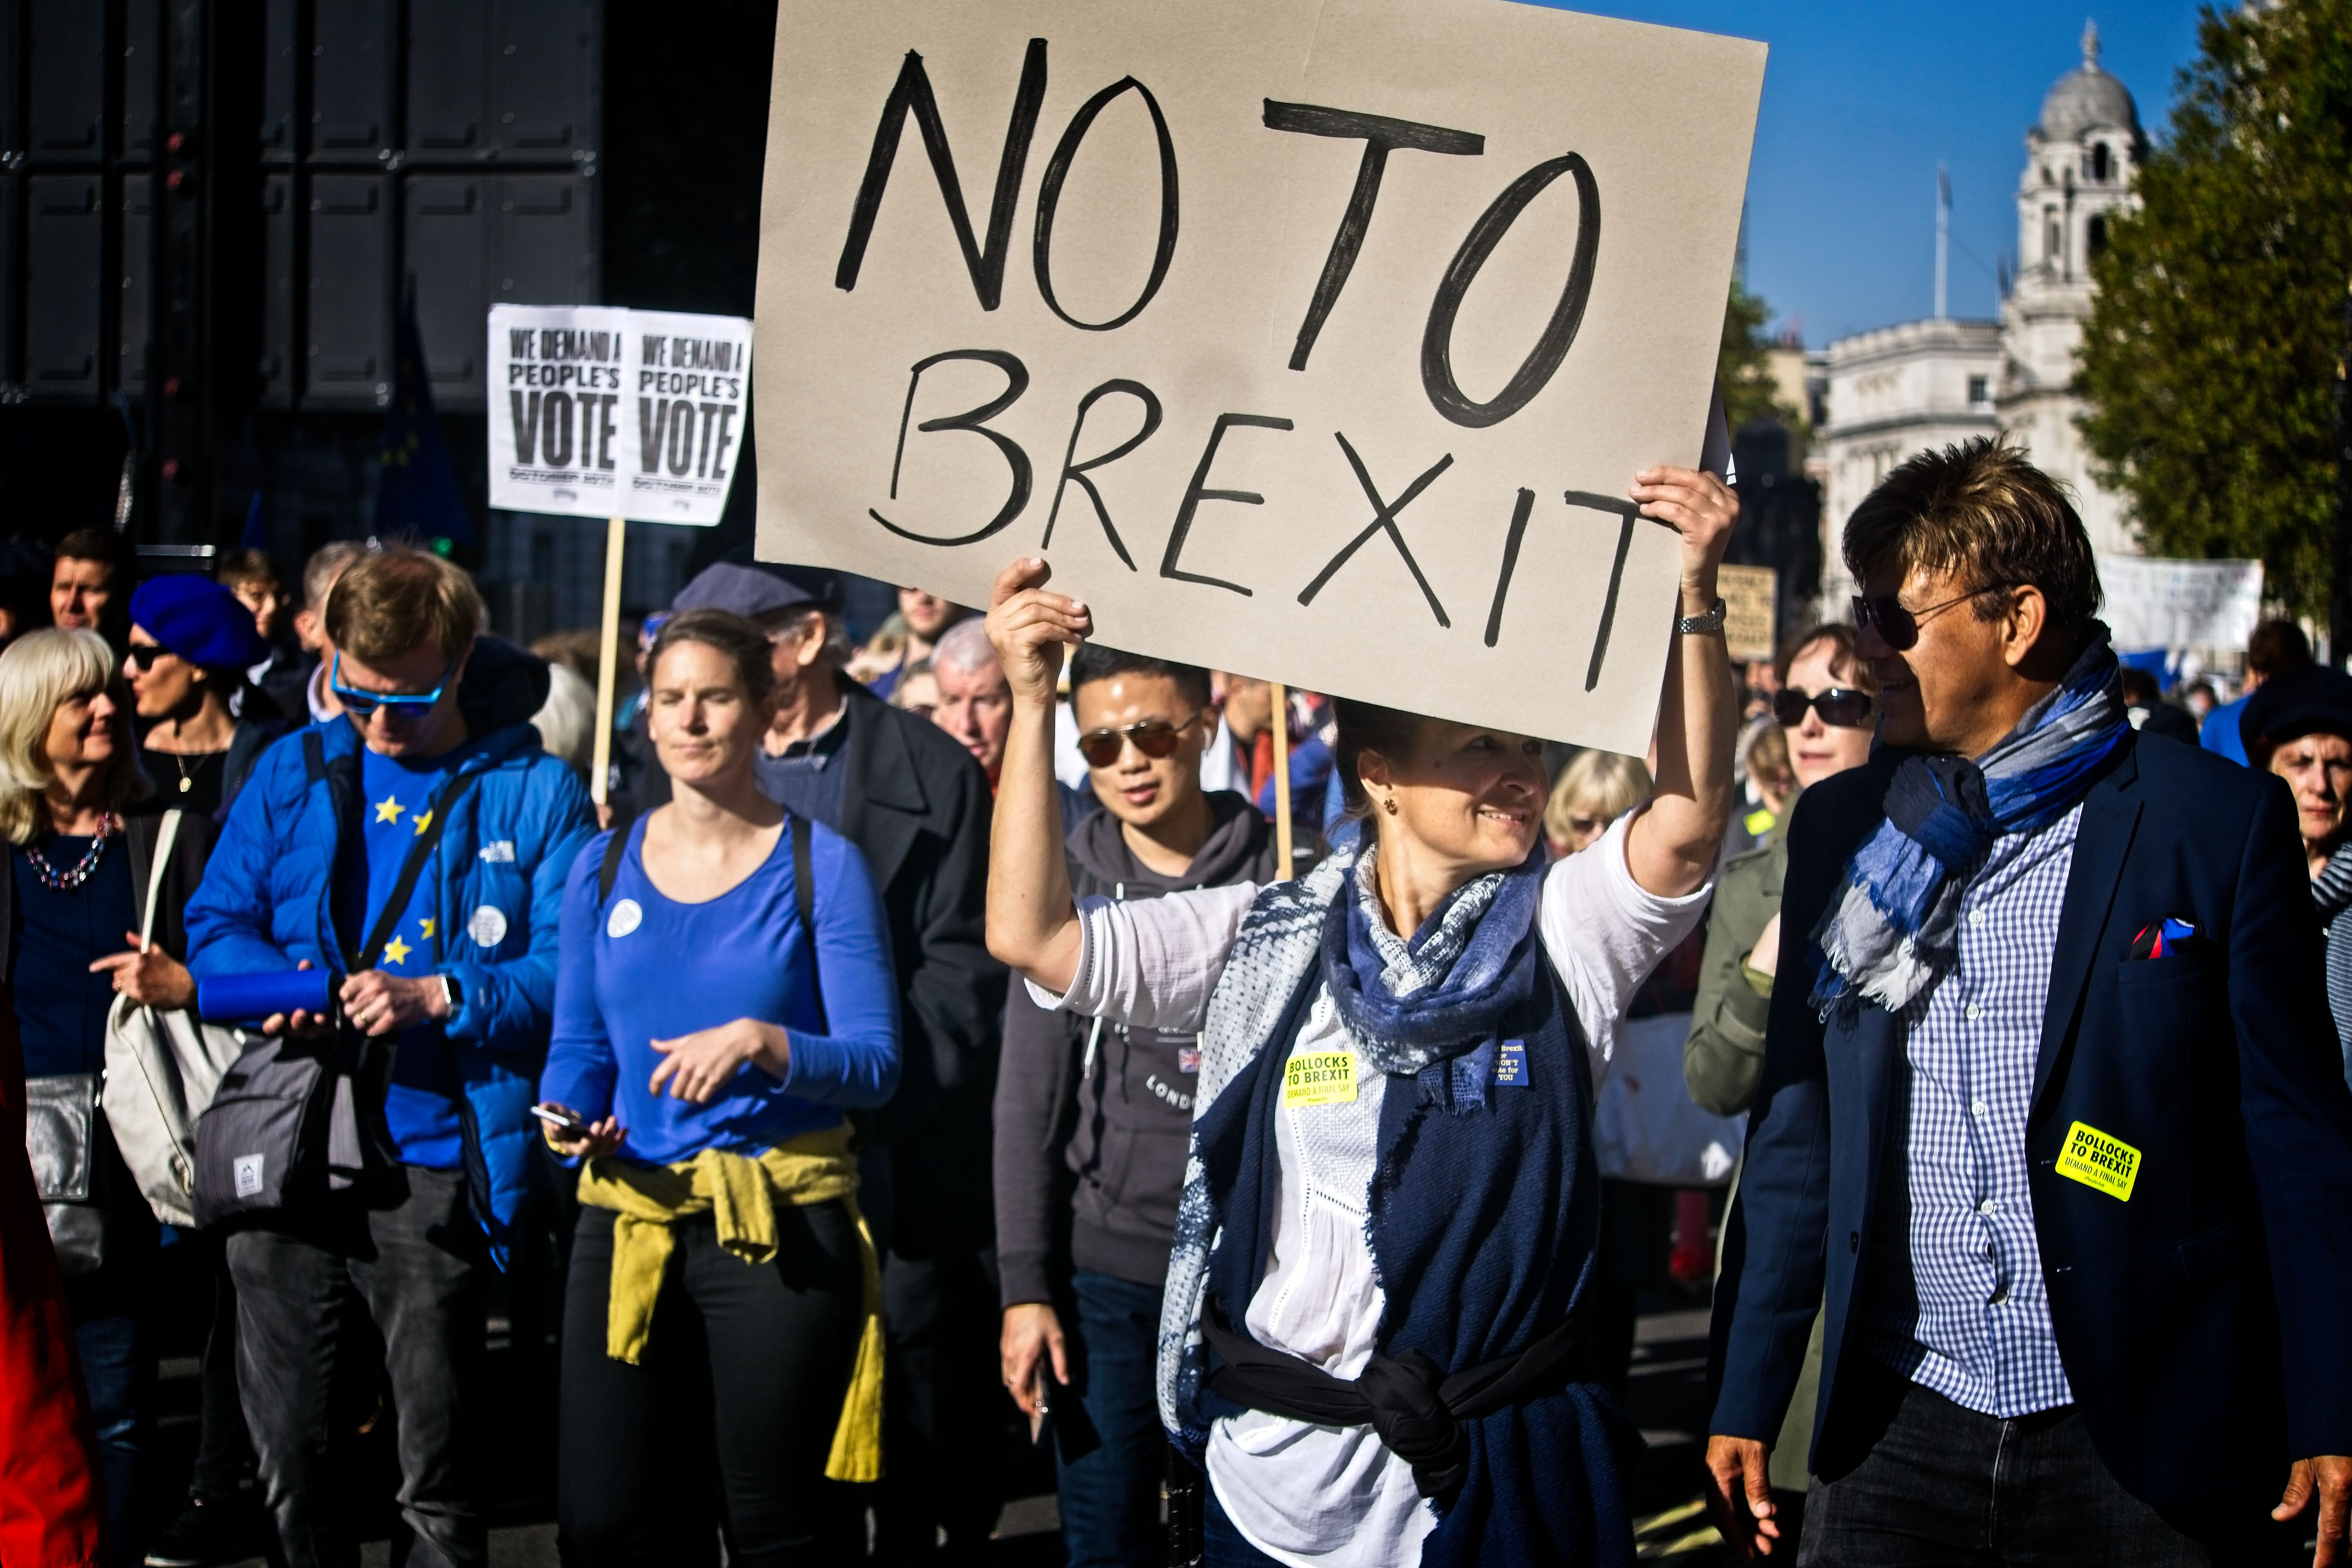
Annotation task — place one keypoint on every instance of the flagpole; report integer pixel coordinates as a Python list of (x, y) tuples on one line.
[(1281, 706), (608, 656)]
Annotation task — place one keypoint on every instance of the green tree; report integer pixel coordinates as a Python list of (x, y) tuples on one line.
[(1744, 367), (2211, 352)]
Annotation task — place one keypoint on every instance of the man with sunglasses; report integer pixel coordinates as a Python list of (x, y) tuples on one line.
[(1092, 1121), (427, 827), (2052, 1124)]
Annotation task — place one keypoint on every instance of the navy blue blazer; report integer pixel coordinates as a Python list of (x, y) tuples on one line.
[(2201, 1321)]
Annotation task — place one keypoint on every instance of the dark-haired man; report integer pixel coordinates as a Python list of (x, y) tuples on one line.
[(89, 584), (2057, 1115), (1092, 1121), (2275, 648)]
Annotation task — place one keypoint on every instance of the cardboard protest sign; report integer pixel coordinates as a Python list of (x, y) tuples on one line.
[(1751, 606), (688, 381), (1315, 340), (2153, 602), (601, 412)]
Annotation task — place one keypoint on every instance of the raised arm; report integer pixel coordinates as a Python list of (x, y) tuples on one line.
[(1673, 844), (1032, 924)]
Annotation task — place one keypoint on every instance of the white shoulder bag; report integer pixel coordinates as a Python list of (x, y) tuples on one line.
[(162, 1068)]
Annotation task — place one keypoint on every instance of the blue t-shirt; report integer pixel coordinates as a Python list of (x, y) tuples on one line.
[(642, 967), (420, 1107)]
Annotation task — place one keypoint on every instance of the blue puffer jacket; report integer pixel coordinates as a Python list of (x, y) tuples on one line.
[(266, 900)]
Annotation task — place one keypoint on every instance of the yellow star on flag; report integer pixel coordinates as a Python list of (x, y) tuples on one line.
[(428, 923), (424, 822), (397, 950), (388, 809)]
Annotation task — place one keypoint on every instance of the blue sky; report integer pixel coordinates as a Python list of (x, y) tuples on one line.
[(1862, 100)]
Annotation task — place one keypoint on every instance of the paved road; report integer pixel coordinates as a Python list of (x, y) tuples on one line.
[(1666, 1396)]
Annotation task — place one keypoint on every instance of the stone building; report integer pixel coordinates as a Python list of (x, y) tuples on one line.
[(1898, 390)]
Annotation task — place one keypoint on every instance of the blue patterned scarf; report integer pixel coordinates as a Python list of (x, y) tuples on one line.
[(1894, 932), (1410, 1004)]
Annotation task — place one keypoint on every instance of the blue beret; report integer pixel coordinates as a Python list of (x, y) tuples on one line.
[(198, 619)]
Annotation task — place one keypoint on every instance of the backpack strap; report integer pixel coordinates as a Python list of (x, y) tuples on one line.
[(616, 845), (314, 757), (396, 906), (804, 899)]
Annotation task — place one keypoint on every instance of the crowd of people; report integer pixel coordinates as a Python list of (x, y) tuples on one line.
[(914, 1042)]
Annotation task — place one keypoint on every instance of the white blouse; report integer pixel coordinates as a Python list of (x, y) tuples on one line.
[(1335, 1496)]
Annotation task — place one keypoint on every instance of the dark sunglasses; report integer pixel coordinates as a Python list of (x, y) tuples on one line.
[(1154, 738), (1841, 706), (403, 704), (1899, 627), (144, 655)]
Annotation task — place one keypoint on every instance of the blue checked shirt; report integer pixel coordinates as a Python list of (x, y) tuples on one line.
[(1966, 1313)]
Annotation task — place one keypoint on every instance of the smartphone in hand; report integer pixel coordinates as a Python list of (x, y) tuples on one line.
[(562, 1120)]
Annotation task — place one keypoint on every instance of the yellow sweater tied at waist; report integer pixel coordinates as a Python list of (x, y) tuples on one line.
[(740, 1192)]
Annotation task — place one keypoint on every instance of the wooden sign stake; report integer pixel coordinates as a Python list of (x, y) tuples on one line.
[(1281, 707), (608, 655)]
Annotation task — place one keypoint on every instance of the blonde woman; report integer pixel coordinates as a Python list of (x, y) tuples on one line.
[(1594, 790), (71, 907)]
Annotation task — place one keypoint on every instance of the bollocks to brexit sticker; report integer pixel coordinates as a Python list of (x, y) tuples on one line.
[(2097, 1161), (1319, 1078)]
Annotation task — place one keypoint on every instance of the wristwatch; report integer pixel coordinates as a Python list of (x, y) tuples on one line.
[(1699, 625), (455, 995)]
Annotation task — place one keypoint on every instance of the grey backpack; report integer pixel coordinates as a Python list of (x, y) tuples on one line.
[(283, 1129)]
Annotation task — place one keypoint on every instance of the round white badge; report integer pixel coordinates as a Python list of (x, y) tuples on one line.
[(626, 917), (488, 926)]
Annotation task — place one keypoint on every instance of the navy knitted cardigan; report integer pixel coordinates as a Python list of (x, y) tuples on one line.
[(1484, 1222)]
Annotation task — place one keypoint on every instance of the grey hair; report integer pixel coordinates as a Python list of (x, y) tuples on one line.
[(964, 646), (327, 563), (566, 722)]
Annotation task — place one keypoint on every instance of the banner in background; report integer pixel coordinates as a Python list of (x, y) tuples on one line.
[(597, 411), (1313, 339), (2153, 602), (1751, 606)]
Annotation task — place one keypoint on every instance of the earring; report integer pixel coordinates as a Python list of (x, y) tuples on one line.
[(1389, 805)]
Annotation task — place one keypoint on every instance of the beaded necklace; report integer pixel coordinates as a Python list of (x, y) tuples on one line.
[(66, 881)]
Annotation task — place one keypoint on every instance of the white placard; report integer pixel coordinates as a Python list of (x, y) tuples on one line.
[(596, 410), (1318, 340), (2154, 602)]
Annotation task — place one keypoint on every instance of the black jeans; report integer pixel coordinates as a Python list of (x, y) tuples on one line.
[(1941, 1484), (946, 1416), (224, 1451), (416, 1268), (742, 1380)]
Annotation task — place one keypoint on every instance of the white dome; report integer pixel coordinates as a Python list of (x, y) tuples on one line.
[(2086, 98)]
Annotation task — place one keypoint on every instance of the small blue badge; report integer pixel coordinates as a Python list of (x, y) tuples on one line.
[(1511, 1065)]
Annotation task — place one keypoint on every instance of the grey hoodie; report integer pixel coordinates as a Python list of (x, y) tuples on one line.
[(1092, 1121)]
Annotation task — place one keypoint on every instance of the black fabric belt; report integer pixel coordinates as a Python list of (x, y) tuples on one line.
[(1419, 1411)]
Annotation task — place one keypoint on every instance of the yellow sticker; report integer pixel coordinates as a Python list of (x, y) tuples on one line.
[(2099, 1161), (1319, 1078)]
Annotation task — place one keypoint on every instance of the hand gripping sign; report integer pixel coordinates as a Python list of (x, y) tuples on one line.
[(1316, 340)]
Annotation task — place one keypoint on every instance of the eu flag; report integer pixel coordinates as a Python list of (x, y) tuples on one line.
[(417, 492)]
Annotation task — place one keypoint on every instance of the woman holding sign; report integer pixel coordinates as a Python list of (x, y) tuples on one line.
[(1372, 1336)]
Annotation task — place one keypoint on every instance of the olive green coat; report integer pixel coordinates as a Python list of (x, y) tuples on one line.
[(1723, 1061)]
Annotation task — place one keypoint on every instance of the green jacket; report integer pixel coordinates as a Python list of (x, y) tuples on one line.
[(1724, 1057)]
